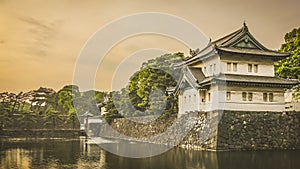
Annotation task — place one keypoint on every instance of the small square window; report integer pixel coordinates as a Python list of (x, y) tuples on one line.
[(244, 96), (255, 68), (228, 95), (234, 67), (249, 67)]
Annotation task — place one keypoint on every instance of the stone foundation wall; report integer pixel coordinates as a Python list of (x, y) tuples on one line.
[(230, 130), (259, 131)]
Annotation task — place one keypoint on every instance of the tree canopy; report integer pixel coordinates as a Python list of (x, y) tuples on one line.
[(45, 108), (290, 67), (145, 93)]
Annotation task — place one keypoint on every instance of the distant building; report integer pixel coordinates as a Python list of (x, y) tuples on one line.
[(40, 96), (235, 72)]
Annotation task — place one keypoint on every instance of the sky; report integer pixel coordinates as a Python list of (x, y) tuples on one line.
[(40, 41)]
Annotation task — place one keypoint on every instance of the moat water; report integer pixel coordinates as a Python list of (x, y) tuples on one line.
[(23, 153)]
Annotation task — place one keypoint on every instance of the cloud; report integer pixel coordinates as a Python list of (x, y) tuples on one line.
[(40, 35)]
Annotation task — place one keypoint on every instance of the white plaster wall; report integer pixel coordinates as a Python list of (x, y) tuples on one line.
[(288, 95), (292, 106), (264, 69), (191, 103), (247, 106), (290, 103), (257, 104), (216, 101), (236, 96), (219, 101), (210, 62)]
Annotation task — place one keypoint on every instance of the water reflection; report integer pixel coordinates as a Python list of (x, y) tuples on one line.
[(75, 153), (16, 158)]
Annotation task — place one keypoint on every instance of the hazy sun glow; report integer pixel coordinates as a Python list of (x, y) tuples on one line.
[(41, 40)]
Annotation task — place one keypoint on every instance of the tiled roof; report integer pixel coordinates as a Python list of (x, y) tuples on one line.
[(197, 73), (253, 51), (223, 41), (236, 42)]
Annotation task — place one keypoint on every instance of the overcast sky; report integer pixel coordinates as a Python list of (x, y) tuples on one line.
[(41, 40)]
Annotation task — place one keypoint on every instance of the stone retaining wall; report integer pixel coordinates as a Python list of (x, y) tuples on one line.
[(259, 131), (230, 130)]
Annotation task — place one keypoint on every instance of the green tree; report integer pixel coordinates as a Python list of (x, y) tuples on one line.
[(4, 115), (65, 100), (110, 106), (155, 75), (72, 117), (51, 117), (27, 119), (290, 67)]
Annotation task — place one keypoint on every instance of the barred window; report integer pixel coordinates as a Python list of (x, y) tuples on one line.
[(250, 96), (271, 97), (228, 66), (228, 95), (214, 67), (265, 97), (255, 68), (249, 67), (234, 67), (244, 96)]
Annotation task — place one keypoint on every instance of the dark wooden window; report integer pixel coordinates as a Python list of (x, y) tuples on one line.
[(244, 96), (265, 97), (271, 97), (229, 67), (255, 68), (249, 67), (250, 96), (234, 67), (228, 95)]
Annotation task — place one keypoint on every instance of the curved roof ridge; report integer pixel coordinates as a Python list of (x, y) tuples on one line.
[(230, 36)]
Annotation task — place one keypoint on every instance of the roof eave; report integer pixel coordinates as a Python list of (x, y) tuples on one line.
[(275, 55)]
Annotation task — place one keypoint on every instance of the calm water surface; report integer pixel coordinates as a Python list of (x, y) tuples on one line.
[(75, 153)]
